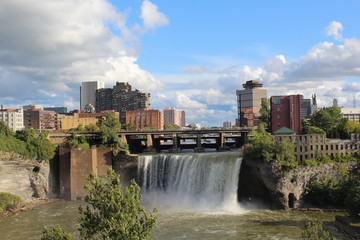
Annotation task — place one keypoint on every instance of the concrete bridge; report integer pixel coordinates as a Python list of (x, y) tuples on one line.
[(172, 140)]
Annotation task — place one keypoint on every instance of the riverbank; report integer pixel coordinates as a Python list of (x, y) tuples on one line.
[(27, 205)]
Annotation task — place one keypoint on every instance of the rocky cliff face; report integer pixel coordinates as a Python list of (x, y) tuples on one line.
[(126, 166), (266, 184), (23, 177)]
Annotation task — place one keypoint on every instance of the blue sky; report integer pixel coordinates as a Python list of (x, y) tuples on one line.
[(191, 55)]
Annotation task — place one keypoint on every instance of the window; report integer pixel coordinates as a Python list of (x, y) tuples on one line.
[(277, 100)]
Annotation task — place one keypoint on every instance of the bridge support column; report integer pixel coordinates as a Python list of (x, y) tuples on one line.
[(123, 138), (149, 143), (176, 143), (221, 143), (243, 139), (199, 147)]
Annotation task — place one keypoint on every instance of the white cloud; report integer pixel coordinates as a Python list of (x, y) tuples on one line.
[(151, 16), (184, 101), (334, 29), (55, 45)]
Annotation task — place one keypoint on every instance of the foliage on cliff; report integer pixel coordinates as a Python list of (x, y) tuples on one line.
[(262, 147), (343, 191), (8, 201), (112, 213), (25, 143)]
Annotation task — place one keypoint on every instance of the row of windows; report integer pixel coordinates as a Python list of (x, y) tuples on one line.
[(327, 147)]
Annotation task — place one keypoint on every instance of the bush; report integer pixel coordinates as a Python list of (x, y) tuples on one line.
[(314, 230), (55, 233), (9, 201)]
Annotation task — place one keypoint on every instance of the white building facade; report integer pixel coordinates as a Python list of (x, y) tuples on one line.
[(14, 118), (352, 114), (87, 92)]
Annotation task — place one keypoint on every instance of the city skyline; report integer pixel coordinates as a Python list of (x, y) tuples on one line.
[(192, 58)]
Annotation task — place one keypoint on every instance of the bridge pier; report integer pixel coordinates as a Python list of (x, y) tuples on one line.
[(199, 147), (176, 144), (149, 143)]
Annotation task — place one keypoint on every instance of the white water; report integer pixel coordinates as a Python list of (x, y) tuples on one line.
[(201, 182)]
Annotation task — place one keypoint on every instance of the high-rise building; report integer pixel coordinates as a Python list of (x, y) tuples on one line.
[(287, 111), (227, 124), (14, 118), (121, 98), (174, 116), (87, 92), (249, 103), (145, 118)]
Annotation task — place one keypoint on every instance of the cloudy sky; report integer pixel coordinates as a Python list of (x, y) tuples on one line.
[(191, 55)]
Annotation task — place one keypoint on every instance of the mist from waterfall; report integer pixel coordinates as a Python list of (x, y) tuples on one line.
[(200, 182)]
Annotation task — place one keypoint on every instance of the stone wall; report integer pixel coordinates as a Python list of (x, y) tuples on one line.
[(26, 178), (76, 165)]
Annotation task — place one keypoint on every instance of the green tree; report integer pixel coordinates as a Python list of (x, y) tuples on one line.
[(352, 201), (149, 127), (265, 111), (351, 127), (74, 141), (130, 127), (261, 145), (114, 214), (171, 127), (330, 120), (91, 128), (5, 130), (108, 120), (285, 154), (314, 231), (55, 233)]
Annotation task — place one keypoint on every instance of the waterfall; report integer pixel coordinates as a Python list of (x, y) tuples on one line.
[(206, 181)]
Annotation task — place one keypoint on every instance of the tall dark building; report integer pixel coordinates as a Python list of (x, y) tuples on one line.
[(121, 98)]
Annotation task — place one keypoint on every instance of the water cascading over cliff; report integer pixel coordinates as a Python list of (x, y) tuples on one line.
[(206, 181)]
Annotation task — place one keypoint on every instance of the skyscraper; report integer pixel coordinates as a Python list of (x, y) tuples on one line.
[(174, 116), (121, 98), (249, 103), (87, 92)]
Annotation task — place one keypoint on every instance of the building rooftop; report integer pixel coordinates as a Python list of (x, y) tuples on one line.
[(284, 131)]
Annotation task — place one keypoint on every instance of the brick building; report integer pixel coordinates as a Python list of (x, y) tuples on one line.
[(144, 118), (82, 118), (41, 119)]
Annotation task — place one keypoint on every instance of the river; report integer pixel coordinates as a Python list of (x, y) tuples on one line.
[(254, 224), (196, 198)]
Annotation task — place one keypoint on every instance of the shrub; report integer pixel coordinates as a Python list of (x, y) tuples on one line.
[(314, 230), (55, 233), (9, 201)]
